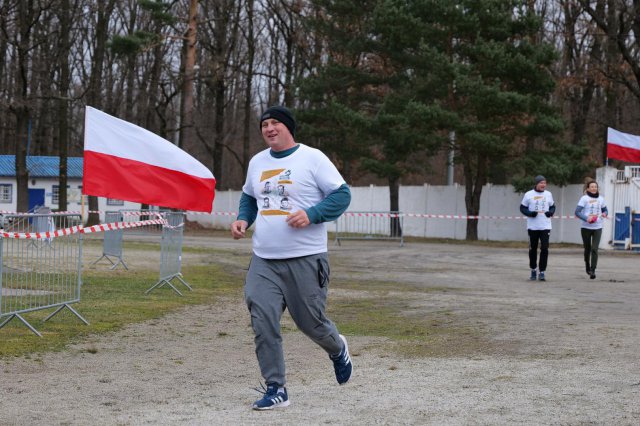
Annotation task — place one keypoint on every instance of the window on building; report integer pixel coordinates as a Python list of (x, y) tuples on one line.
[(114, 202), (55, 194), (6, 193)]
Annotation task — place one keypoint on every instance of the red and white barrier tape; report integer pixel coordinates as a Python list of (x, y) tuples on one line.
[(12, 213), (80, 229), (126, 213), (122, 225), (355, 214), (417, 215), (42, 235), (452, 216)]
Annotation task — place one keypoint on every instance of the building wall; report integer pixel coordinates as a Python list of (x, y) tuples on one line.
[(74, 194)]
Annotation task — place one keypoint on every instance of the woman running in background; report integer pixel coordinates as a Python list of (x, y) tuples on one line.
[(592, 210)]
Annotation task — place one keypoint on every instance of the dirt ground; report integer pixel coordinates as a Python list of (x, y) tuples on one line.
[(562, 352)]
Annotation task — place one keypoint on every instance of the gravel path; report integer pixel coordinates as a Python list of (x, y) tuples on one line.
[(562, 352)]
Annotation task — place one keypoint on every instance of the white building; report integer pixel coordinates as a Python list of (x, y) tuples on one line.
[(44, 186)]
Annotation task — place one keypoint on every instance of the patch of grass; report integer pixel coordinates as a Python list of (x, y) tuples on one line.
[(411, 332), (112, 300)]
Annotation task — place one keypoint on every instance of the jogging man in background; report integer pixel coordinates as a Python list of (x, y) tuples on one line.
[(290, 265), (538, 206)]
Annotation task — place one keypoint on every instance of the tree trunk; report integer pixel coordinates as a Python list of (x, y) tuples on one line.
[(613, 58), (150, 97), (6, 144), (22, 174), (185, 139), (21, 106), (63, 102), (221, 45), (218, 147), (248, 111), (474, 182), (94, 91), (394, 204)]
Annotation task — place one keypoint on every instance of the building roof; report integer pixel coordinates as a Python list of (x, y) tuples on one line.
[(41, 166)]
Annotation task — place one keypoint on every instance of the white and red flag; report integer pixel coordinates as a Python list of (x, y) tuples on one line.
[(126, 162), (623, 146)]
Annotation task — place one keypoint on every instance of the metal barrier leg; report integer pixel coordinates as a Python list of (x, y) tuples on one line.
[(167, 281), (25, 322), (73, 311), (162, 283), (179, 276), (114, 265), (100, 258)]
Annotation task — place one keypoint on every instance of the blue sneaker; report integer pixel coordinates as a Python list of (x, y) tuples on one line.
[(533, 276), (541, 276), (342, 364), (272, 398)]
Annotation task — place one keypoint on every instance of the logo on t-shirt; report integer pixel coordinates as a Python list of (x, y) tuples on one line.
[(276, 200)]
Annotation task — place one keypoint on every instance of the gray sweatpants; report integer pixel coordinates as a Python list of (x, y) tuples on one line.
[(300, 285)]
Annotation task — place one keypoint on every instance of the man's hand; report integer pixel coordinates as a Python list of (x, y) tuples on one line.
[(298, 219), (238, 229), (592, 219)]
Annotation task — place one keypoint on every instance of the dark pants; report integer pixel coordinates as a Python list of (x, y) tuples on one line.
[(591, 241), (534, 237), (299, 285)]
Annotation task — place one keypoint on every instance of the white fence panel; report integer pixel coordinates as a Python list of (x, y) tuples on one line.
[(499, 202)]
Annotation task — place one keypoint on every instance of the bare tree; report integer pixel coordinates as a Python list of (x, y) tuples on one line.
[(222, 37), (188, 75), (94, 91), (64, 82), (619, 22), (21, 102), (248, 94)]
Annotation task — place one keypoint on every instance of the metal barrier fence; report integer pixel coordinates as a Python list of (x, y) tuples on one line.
[(171, 252), (112, 243), (370, 226), (139, 215), (42, 272)]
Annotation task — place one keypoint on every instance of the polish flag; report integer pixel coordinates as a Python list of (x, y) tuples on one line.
[(623, 146), (126, 162)]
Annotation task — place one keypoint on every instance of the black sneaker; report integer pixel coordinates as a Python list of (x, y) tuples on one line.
[(592, 275), (541, 276), (534, 275), (272, 398), (342, 364)]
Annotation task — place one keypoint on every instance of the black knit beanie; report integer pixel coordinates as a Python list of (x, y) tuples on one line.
[(281, 114), (539, 179)]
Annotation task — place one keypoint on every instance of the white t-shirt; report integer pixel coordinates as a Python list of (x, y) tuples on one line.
[(283, 186), (592, 207), (538, 202)]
